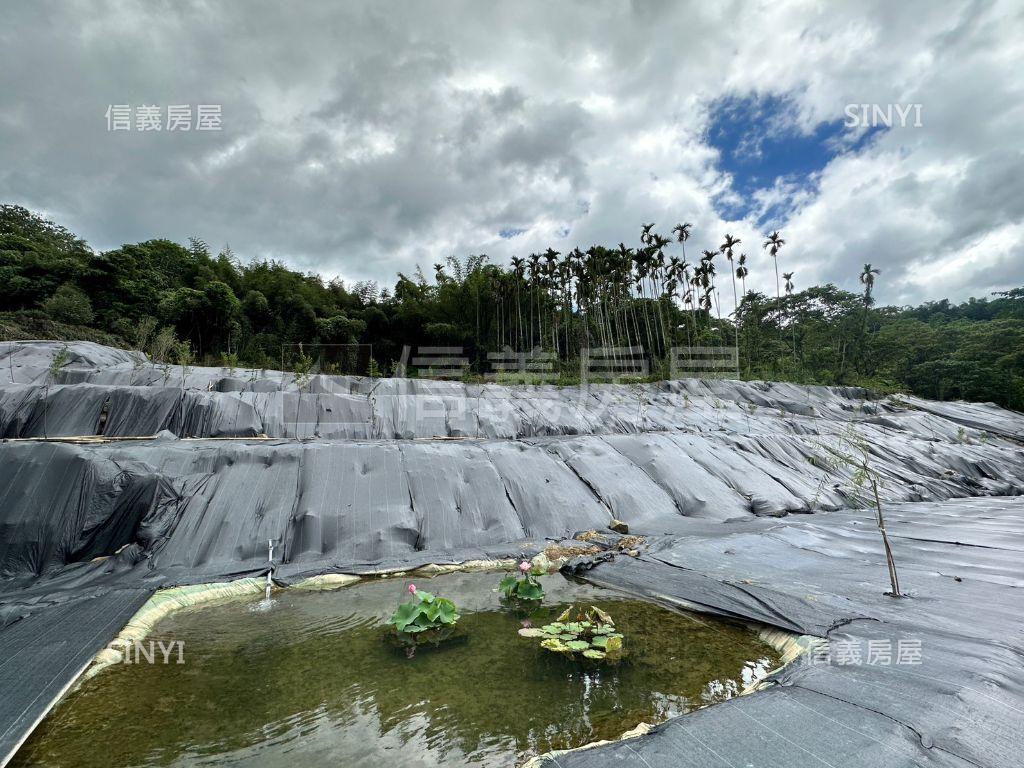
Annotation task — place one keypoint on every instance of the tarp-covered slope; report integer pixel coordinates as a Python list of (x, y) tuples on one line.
[(935, 678), (711, 472), (104, 391), (199, 509)]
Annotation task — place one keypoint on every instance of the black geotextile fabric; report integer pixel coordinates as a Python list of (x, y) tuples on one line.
[(956, 697), (197, 510), (711, 472), (46, 642), (111, 392)]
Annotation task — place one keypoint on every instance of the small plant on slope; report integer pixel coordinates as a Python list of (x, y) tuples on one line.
[(858, 460), (60, 359), (522, 587)]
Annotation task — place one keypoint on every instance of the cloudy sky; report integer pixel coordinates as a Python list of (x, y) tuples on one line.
[(360, 139)]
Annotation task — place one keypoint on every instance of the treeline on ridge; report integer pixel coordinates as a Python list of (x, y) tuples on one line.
[(171, 299)]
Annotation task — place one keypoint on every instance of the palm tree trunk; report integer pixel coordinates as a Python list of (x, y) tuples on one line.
[(778, 293), (661, 318), (735, 306)]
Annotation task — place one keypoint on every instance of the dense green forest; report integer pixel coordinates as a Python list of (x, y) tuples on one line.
[(185, 303)]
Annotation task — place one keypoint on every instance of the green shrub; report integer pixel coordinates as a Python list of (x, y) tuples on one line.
[(69, 305)]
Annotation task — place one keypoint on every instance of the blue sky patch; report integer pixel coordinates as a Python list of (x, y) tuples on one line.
[(760, 142)]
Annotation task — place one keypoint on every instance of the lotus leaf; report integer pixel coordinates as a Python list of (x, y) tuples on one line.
[(425, 612), (527, 587), (532, 632)]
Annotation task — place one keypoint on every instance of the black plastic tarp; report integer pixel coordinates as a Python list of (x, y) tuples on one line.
[(104, 391), (46, 644), (933, 678), (746, 510)]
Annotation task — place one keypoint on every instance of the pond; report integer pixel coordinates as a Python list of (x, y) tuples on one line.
[(312, 682)]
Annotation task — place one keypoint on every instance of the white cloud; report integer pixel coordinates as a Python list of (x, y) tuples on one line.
[(359, 141)]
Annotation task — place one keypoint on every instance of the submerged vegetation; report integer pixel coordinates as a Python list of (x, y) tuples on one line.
[(186, 303), (342, 697)]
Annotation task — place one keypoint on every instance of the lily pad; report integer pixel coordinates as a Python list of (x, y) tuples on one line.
[(586, 630), (553, 645), (532, 632)]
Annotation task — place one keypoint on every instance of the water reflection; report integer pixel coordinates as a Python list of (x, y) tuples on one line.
[(312, 683)]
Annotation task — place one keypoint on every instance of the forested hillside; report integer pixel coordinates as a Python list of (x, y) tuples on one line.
[(186, 303)]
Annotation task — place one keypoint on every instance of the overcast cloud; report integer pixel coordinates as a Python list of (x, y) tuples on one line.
[(363, 138)]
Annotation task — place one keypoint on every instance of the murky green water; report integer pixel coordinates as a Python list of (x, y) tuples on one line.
[(311, 683)]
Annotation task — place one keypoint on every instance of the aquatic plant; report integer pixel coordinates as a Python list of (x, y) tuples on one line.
[(425, 613), (522, 587), (587, 632)]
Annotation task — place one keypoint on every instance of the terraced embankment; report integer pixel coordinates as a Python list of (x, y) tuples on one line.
[(116, 479)]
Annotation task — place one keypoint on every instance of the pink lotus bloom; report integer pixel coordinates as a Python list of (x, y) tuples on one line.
[(524, 566), (412, 589)]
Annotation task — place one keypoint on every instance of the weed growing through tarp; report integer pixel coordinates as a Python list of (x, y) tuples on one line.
[(184, 356), (303, 370), (858, 459), (60, 358)]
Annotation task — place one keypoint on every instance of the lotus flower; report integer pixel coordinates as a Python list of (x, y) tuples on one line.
[(412, 589), (525, 566)]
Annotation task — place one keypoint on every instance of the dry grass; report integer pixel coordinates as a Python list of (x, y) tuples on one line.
[(555, 552)]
